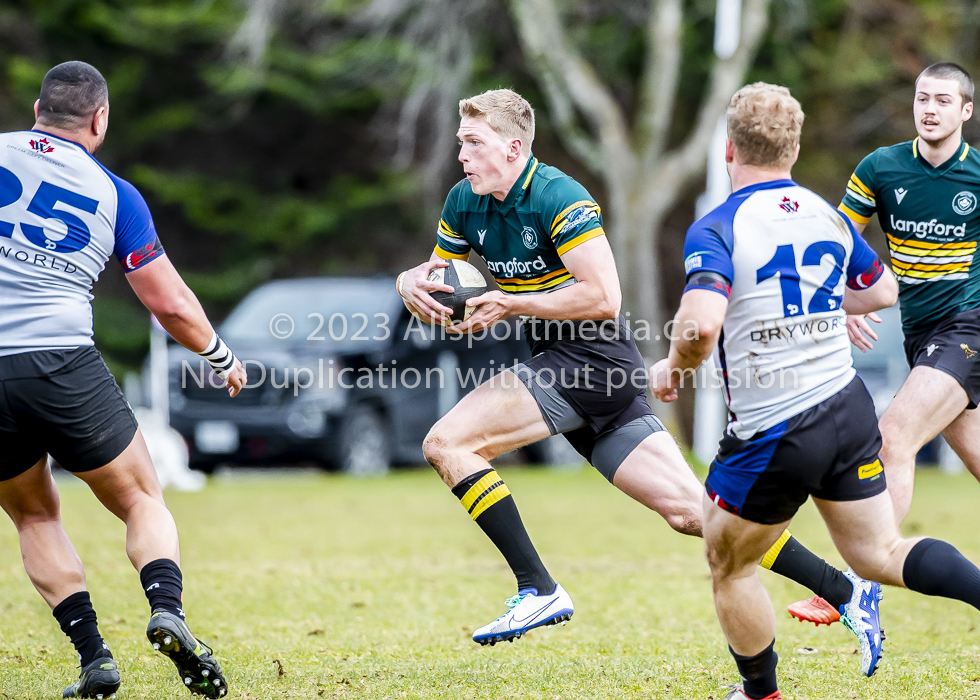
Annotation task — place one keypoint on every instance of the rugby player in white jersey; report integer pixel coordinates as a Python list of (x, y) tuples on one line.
[(500, 211), (62, 216), (770, 274)]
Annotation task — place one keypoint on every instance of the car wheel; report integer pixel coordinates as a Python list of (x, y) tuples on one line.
[(364, 448)]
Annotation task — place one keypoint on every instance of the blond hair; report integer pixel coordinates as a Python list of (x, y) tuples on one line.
[(764, 124), (505, 112)]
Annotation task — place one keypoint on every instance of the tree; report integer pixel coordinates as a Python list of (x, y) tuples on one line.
[(644, 176)]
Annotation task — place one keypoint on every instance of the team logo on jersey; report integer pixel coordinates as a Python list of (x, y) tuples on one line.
[(969, 353), (789, 206), (964, 203), (481, 234), (900, 194), (530, 238), (41, 145)]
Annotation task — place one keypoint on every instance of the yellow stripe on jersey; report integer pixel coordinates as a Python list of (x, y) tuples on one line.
[(861, 187), (587, 236), (966, 149), (513, 286), (915, 147), (931, 267), (527, 180), (560, 219), (534, 280), (446, 255), (912, 243), (444, 229), (853, 215)]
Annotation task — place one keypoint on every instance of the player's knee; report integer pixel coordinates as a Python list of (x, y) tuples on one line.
[(721, 560), (34, 511), (435, 447), (686, 520)]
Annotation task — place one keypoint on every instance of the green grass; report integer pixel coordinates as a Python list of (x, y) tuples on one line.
[(372, 589)]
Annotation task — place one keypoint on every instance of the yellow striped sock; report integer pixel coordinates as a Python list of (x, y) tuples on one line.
[(483, 494), (773, 553)]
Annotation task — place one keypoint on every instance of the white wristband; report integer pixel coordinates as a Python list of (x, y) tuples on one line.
[(219, 356)]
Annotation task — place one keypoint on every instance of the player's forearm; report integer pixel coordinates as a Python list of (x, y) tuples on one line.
[(183, 317), (583, 301), (881, 295)]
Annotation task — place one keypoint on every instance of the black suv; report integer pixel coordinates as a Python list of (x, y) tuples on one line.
[(338, 373)]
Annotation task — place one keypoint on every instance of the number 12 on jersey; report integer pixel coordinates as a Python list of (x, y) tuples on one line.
[(783, 263)]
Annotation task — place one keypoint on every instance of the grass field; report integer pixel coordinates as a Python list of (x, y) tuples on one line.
[(371, 589)]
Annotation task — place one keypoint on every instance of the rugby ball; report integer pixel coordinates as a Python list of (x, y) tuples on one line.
[(467, 282)]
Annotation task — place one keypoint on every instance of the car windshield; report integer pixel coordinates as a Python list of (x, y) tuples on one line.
[(326, 312)]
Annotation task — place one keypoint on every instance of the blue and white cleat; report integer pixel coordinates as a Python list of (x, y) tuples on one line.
[(527, 611), (860, 615)]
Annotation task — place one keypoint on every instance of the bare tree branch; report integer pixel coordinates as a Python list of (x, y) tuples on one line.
[(661, 72), (252, 38), (547, 46), (726, 77)]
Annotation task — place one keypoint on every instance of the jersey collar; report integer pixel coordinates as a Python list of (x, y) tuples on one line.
[(520, 187), (770, 185), (60, 138), (935, 171)]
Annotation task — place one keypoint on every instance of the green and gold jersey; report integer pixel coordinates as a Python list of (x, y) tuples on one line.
[(932, 222), (545, 214)]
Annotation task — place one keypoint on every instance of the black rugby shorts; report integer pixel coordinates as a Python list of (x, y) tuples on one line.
[(64, 403), (951, 347)]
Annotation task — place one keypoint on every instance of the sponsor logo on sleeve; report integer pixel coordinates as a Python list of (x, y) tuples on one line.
[(969, 353), (693, 261), (578, 217)]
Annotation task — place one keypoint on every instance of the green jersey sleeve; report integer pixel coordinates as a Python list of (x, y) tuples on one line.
[(859, 198), (450, 243), (571, 213)]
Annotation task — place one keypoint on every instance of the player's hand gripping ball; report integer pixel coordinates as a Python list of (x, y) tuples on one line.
[(467, 282)]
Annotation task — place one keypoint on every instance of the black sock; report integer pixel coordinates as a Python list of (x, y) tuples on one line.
[(488, 501), (163, 585), (77, 618), (758, 672), (791, 559), (934, 567)]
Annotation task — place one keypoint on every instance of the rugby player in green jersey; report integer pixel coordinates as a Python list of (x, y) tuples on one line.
[(925, 194), (541, 235)]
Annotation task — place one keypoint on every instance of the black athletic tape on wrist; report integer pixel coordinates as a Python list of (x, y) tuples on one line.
[(219, 356)]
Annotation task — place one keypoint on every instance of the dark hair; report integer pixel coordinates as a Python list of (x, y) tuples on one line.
[(70, 95), (951, 71)]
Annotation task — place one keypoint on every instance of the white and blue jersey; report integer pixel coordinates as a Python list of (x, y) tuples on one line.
[(62, 215), (787, 254)]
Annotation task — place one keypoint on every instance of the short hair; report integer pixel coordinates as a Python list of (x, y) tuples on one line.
[(764, 124), (506, 112), (70, 93), (951, 71)]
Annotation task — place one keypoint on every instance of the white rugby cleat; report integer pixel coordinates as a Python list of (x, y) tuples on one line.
[(527, 611), (860, 615)]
